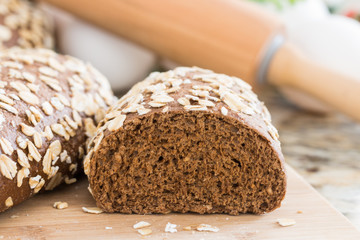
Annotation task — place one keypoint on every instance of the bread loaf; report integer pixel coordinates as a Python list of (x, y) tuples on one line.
[(48, 104), (24, 25), (187, 140)]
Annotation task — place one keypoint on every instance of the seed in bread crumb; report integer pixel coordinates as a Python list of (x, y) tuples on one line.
[(92, 210), (207, 228), (171, 228), (145, 231), (286, 222), (61, 205), (299, 212), (141, 224)]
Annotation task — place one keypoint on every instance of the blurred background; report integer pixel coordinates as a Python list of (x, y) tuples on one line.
[(320, 143)]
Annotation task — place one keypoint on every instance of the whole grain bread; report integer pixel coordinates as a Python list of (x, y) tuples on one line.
[(187, 140), (24, 25), (49, 106)]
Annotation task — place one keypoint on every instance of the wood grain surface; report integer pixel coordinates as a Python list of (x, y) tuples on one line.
[(37, 219)]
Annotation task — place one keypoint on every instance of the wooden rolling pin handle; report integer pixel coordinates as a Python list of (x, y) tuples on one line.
[(228, 36), (290, 68)]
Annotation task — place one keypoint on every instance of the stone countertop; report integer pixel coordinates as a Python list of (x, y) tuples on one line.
[(324, 149)]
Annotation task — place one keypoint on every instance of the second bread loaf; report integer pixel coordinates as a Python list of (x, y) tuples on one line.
[(49, 106)]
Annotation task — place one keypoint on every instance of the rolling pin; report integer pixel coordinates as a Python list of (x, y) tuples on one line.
[(230, 36)]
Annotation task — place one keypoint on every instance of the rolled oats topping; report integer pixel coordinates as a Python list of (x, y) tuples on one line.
[(22, 143), (8, 108), (57, 104), (29, 77), (48, 72), (22, 158), (37, 139), (5, 33), (8, 167), (47, 108), (6, 146), (29, 97), (23, 173), (39, 185), (34, 181), (2, 120), (224, 111), (6, 99), (48, 134), (60, 130), (33, 151), (116, 123)]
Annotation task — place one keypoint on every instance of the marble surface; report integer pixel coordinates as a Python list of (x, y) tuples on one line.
[(324, 149)]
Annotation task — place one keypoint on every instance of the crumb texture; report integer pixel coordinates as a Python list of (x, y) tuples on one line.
[(196, 148)]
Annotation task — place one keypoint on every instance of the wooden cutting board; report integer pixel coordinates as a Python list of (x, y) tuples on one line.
[(37, 219)]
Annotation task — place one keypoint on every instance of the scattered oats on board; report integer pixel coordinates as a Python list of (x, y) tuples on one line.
[(61, 205), (207, 228), (171, 228), (92, 210), (70, 180), (145, 231), (108, 228), (141, 224), (286, 222), (187, 228), (14, 216)]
